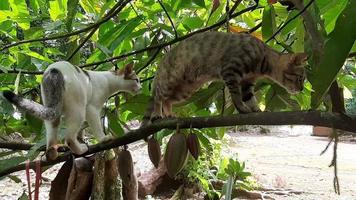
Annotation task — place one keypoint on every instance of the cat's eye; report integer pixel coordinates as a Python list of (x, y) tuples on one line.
[(137, 80)]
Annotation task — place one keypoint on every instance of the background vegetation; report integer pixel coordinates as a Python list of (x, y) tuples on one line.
[(36, 33)]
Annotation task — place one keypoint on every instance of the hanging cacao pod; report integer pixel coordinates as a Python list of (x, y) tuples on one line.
[(176, 154), (154, 151), (125, 166), (193, 145)]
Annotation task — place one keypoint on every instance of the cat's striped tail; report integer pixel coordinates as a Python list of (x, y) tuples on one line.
[(52, 93)]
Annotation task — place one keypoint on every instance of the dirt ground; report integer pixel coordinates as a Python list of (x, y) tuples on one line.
[(285, 162)]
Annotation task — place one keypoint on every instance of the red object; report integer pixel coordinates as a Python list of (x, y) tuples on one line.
[(272, 1), (28, 179), (38, 178)]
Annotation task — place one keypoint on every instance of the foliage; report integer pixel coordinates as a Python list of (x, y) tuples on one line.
[(212, 167), (144, 24)]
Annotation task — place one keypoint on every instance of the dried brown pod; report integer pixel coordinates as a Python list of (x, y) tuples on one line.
[(193, 145), (125, 166), (154, 151)]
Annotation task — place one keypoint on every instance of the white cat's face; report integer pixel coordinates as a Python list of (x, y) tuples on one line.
[(131, 80)]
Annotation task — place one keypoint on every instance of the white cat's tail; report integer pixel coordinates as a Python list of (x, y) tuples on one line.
[(52, 96)]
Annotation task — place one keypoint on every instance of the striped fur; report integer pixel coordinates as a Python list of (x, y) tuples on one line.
[(237, 59)]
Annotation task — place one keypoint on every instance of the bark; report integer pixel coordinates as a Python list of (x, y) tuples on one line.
[(148, 181), (106, 185), (316, 118)]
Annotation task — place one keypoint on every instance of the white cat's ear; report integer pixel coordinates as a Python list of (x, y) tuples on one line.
[(128, 69)]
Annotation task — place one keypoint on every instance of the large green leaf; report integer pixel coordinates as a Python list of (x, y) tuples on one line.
[(336, 51), (268, 22), (114, 125), (19, 13), (11, 162)]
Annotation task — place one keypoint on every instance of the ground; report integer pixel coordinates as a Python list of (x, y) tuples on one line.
[(289, 162), (286, 163)]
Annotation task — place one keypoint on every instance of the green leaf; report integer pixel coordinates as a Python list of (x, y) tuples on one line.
[(38, 56), (200, 3), (34, 123), (136, 104), (58, 9), (228, 187), (268, 22), (19, 13), (336, 51), (4, 5), (14, 178), (114, 124), (72, 10), (192, 23), (11, 162)]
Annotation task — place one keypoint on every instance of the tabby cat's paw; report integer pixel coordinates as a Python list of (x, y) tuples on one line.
[(155, 118)]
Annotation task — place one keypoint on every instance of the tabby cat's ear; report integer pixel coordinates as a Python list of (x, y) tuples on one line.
[(300, 58)]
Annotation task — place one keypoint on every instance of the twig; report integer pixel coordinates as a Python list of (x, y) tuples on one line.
[(334, 163), (134, 9), (262, 118), (103, 20), (291, 19), (253, 29), (153, 57), (114, 11), (169, 18), (327, 146), (147, 79)]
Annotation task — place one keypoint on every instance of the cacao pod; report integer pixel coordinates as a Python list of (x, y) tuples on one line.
[(125, 166), (193, 145), (154, 151), (176, 154)]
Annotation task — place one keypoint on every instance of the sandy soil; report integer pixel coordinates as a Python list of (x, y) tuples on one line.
[(286, 163), (289, 162)]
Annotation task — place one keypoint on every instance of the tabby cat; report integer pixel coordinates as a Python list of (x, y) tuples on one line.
[(237, 59), (77, 95)]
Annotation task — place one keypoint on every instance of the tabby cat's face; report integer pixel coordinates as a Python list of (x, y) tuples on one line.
[(294, 75)]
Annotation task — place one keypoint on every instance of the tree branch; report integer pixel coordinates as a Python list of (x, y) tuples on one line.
[(169, 18), (54, 37), (263, 118)]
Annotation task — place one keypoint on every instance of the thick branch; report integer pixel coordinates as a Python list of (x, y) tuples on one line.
[(110, 14), (263, 118)]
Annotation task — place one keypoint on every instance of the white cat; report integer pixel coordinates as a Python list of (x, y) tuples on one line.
[(77, 95)]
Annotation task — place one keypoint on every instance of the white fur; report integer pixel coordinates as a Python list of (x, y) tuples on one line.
[(83, 99)]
